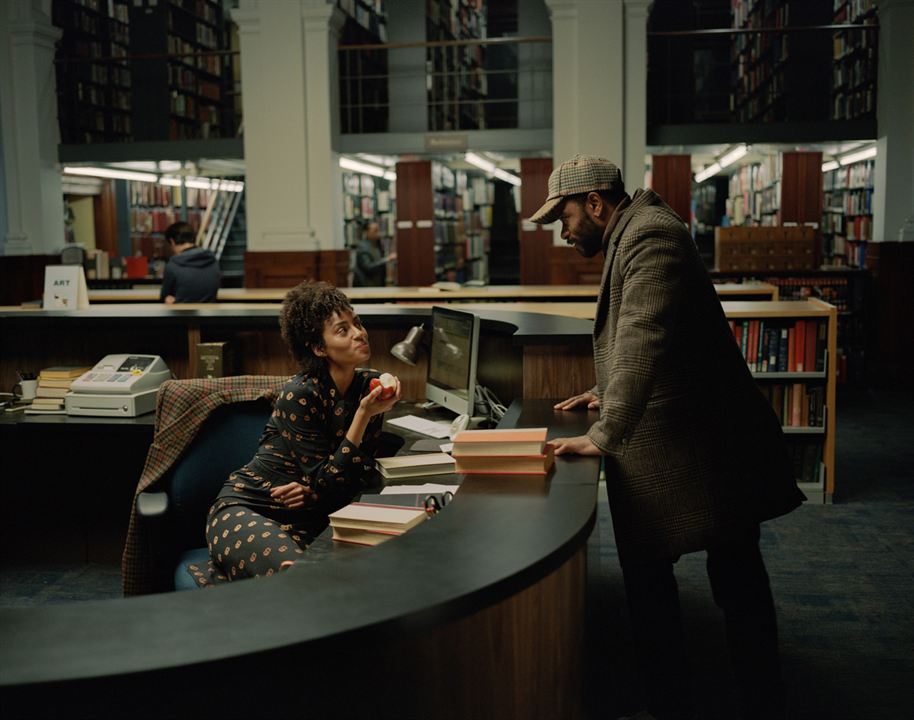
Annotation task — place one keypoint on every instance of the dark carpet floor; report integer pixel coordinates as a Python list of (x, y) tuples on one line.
[(842, 577)]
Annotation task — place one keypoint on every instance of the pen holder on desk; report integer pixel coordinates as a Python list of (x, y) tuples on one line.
[(27, 388)]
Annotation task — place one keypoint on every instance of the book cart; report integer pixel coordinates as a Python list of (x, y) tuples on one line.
[(809, 423)]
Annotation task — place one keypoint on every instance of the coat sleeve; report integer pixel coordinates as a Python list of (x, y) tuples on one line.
[(652, 292)]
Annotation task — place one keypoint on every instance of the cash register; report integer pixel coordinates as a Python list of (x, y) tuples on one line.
[(118, 386)]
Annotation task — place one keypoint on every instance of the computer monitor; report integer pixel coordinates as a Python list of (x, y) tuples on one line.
[(451, 379)]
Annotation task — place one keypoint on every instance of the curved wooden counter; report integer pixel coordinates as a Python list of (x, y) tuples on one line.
[(477, 613)]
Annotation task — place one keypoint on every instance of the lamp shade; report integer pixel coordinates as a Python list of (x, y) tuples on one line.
[(407, 350)]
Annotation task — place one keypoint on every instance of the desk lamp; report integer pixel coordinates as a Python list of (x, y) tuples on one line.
[(408, 350)]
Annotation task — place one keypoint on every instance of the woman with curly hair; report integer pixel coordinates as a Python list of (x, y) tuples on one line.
[(317, 451)]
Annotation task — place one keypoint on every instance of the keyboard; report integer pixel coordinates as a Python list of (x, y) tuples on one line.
[(422, 426)]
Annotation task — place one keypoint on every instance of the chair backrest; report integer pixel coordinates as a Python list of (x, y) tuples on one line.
[(227, 440)]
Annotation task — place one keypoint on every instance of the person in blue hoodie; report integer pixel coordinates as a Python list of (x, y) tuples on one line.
[(192, 274)]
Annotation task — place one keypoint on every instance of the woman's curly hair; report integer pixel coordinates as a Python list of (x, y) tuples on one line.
[(305, 309)]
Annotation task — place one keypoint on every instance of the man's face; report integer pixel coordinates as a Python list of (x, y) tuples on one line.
[(373, 231), (580, 230)]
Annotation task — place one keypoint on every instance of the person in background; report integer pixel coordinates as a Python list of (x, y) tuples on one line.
[(192, 274), (370, 262), (694, 455), (318, 449)]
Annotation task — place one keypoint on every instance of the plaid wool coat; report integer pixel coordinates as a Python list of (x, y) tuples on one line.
[(182, 406), (692, 447)]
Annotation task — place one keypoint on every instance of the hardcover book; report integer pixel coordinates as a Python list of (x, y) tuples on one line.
[(506, 464), (401, 466), (520, 441)]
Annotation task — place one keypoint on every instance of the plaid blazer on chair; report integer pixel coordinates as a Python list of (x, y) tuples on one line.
[(182, 406), (692, 446)]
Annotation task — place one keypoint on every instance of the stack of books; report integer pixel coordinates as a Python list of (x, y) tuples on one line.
[(520, 451), (372, 524), (402, 466), (53, 386)]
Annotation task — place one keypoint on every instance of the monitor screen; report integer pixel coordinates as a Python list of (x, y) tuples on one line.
[(451, 380)]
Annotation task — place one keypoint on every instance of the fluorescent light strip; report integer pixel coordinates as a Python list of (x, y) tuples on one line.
[(830, 165), (853, 157), (361, 167), (732, 156), (506, 176), (709, 171), (480, 162), (491, 168), (109, 173), (170, 181)]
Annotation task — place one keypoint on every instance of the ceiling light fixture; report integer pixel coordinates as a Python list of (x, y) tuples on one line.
[(830, 165), (853, 157), (112, 174), (491, 168), (725, 160), (356, 166)]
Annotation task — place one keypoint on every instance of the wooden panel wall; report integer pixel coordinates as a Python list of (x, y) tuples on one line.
[(105, 212), (415, 246), (279, 269), (801, 187), (568, 267), (672, 180), (22, 277), (534, 244)]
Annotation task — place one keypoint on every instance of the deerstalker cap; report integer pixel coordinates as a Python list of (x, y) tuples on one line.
[(581, 174)]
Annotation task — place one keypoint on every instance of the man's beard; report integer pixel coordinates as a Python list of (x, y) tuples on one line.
[(589, 238)]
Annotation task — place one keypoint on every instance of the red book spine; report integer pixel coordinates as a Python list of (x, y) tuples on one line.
[(810, 354), (791, 350)]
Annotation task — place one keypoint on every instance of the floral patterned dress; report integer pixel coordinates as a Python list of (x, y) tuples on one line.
[(250, 533)]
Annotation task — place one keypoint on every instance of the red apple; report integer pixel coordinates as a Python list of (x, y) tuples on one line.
[(387, 383)]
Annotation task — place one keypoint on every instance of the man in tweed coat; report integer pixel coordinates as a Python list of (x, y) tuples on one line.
[(694, 455)]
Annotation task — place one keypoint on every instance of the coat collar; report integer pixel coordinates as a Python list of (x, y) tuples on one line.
[(619, 220)]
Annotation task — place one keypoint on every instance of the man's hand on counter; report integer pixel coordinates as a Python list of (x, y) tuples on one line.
[(580, 445)]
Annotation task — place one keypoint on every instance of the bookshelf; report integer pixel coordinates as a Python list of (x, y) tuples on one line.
[(152, 208), (367, 198), (848, 289), (769, 334), (363, 72), (181, 97), (456, 72), (755, 193), (847, 214), (450, 249), (778, 77), (855, 63), (93, 95), (477, 198)]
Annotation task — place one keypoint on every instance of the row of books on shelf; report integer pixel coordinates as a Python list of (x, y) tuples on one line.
[(796, 405), (144, 193), (832, 290), (208, 63), (853, 104), (109, 74), (776, 346), (759, 13), (152, 221)]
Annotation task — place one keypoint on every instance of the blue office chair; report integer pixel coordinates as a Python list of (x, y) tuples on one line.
[(226, 441)]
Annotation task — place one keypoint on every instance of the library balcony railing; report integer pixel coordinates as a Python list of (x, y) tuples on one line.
[(766, 83), (475, 84)]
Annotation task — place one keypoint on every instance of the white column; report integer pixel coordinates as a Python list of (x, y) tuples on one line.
[(30, 135), (588, 71), (635, 78), (893, 195), (288, 67), (599, 81)]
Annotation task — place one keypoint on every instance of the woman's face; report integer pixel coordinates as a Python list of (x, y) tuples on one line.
[(345, 341)]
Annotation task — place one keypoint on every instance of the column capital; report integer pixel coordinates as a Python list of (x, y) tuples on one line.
[(574, 8), (29, 25), (247, 16), (636, 8), (322, 14)]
